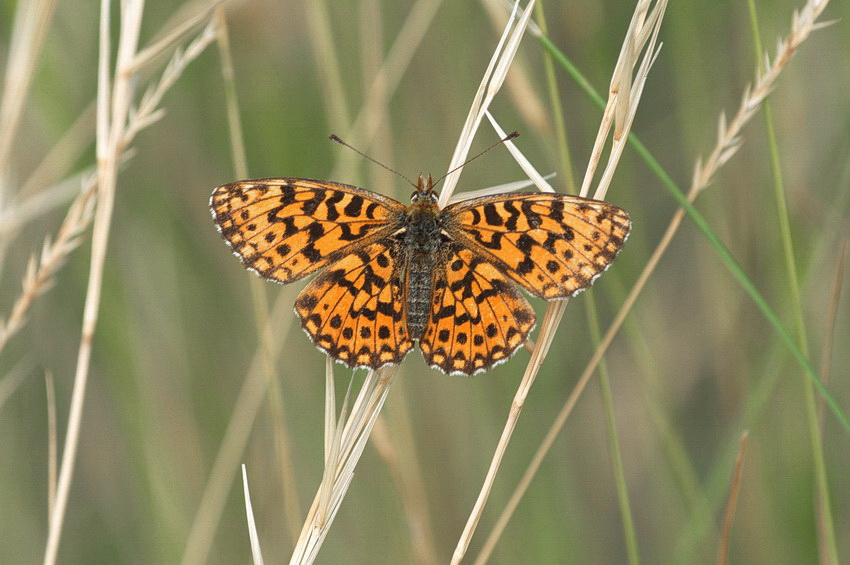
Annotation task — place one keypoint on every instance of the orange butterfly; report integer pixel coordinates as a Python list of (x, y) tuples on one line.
[(393, 274)]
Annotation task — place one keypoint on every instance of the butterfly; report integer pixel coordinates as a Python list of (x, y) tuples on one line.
[(391, 274)]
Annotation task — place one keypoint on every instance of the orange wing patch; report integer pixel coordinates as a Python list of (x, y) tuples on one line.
[(553, 245), (477, 320), (284, 229), (355, 309)]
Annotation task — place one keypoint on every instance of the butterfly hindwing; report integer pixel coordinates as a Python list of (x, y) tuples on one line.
[(478, 318), (355, 311)]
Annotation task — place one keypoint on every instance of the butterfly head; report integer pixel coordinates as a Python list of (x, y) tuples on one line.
[(424, 191)]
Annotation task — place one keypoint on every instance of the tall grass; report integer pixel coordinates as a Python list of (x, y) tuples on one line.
[(168, 365)]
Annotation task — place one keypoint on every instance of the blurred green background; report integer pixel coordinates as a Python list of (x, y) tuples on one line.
[(694, 367)]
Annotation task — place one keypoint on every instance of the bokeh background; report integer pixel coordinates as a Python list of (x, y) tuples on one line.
[(694, 367)]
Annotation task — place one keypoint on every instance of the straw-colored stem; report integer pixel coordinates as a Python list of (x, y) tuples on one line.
[(555, 310), (727, 144), (32, 20), (110, 123), (732, 502)]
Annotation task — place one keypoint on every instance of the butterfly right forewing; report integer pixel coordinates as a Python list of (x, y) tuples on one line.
[(554, 245)]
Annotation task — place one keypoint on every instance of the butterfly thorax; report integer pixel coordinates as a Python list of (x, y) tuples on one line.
[(423, 251)]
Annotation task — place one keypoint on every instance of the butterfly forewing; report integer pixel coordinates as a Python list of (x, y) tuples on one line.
[(553, 245), (287, 228)]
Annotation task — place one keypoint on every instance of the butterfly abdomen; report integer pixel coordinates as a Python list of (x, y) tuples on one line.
[(419, 294), (422, 245)]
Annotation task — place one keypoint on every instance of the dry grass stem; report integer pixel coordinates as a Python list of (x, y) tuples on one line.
[(52, 440), (256, 552), (40, 272), (32, 20), (115, 127), (333, 440), (345, 439), (624, 92), (498, 189), (494, 77), (538, 180), (803, 24), (521, 88), (107, 170), (627, 82), (732, 502)]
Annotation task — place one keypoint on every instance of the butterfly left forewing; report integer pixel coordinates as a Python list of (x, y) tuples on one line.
[(554, 245), (286, 228)]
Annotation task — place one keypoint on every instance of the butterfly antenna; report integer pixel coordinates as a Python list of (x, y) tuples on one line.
[(334, 137), (508, 137)]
